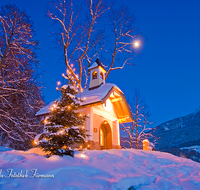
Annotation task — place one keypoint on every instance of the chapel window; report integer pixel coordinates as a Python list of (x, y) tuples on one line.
[(101, 75), (101, 137), (94, 75)]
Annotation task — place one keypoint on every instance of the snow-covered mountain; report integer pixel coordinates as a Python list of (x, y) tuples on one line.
[(177, 135)]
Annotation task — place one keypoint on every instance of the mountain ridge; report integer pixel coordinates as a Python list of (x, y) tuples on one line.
[(171, 136)]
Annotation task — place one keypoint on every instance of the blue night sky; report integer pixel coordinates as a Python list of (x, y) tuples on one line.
[(167, 71)]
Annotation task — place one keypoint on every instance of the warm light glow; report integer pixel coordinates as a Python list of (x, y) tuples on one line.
[(107, 105), (81, 146), (102, 77), (80, 114), (45, 139), (136, 44), (61, 132), (94, 75), (82, 156), (57, 88), (58, 83), (35, 142), (88, 145), (101, 137), (54, 106), (64, 147), (72, 65), (68, 107)]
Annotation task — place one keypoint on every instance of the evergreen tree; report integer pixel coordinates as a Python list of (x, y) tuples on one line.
[(64, 126)]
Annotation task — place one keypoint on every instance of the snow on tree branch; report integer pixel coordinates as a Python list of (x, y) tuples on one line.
[(85, 33), (135, 132), (20, 94)]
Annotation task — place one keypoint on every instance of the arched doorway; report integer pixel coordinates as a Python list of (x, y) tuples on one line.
[(105, 136)]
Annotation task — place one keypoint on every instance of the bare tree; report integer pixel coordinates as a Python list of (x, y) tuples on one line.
[(20, 94), (123, 32), (134, 132), (82, 38)]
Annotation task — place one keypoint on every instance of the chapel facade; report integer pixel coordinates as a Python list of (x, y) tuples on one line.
[(105, 106)]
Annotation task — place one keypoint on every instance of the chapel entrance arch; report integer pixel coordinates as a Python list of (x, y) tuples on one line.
[(105, 136)]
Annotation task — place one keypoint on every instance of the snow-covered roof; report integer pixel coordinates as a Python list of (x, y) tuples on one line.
[(94, 65), (88, 97), (96, 95), (45, 109), (97, 63)]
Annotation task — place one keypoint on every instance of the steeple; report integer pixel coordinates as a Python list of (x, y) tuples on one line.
[(97, 74)]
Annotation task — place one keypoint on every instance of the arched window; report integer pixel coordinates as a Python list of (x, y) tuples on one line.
[(102, 75), (94, 75), (102, 137)]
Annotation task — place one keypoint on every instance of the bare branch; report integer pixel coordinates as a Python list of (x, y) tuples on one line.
[(20, 97), (136, 130)]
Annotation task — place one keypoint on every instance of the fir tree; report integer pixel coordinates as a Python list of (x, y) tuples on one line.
[(64, 126)]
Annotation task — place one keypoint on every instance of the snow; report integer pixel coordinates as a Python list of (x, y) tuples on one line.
[(145, 140), (90, 170), (93, 66), (195, 112), (96, 95), (196, 148), (88, 97), (66, 86), (166, 128), (45, 109), (71, 96)]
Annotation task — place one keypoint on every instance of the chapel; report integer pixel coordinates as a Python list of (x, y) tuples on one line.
[(106, 107)]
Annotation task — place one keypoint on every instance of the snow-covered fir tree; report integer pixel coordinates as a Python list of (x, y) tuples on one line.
[(64, 126)]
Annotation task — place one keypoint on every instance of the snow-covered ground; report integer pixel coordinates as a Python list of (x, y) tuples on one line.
[(105, 170), (196, 148)]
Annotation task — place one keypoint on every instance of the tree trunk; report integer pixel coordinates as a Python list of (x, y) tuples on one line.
[(137, 141)]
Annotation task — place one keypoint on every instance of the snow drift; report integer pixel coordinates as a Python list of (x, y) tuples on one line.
[(90, 170)]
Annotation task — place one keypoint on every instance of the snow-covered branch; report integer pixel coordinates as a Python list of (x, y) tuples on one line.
[(135, 131), (122, 23), (81, 34), (20, 97)]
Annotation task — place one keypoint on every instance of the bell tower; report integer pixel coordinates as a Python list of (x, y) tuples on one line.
[(97, 74)]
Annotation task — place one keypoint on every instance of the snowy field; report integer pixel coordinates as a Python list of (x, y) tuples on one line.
[(91, 170)]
